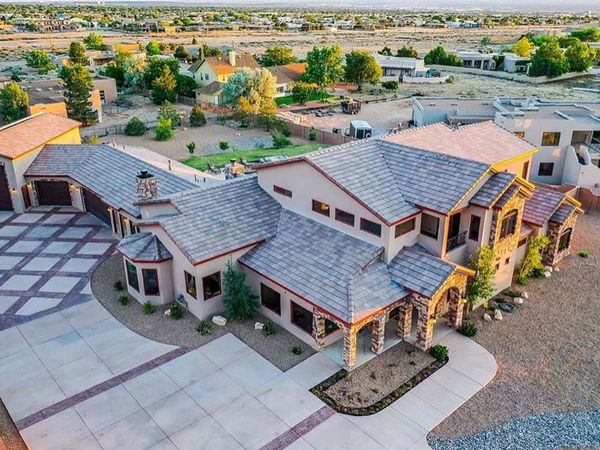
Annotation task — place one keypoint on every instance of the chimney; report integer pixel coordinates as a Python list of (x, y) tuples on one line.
[(231, 55), (146, 185)]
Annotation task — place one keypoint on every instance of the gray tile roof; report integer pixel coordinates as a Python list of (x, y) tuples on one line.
[(391, 178), (337, 272), (562, 213), (492, 189), (108, 172), (508, 194), (419, 272), (539, 208), (220, 218), (143, 247)]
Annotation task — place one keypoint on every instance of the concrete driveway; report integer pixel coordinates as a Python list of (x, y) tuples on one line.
[(73, 377)]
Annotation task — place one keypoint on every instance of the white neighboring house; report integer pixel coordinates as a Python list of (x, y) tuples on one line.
[(515, 64), (477, 60), (566, 132), (406, 70)]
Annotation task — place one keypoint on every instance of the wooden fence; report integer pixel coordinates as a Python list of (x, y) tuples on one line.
[(589, 201), (323, 137)]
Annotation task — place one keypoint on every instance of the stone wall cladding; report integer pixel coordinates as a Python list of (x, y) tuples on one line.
[(551, 255), (506, 246)]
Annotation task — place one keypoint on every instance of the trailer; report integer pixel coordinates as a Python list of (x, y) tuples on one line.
[(360, 129), (351, 106)]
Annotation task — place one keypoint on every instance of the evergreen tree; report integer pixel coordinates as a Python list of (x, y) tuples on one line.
[(168, 110), (549, 60), (77, 53), (78, 86), (164, 87), (239, 302), (407, 52), (197, 118), (13, 102)]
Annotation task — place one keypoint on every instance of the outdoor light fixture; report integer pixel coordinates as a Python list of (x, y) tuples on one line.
[(13, 190)]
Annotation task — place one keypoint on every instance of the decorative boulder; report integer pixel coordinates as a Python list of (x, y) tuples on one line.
[(219, 320), (525, 295), (547, 274), (259, 326), (548, 269), (556, 269), (487, 317), (518, 300), (498, 315), (168, 312)]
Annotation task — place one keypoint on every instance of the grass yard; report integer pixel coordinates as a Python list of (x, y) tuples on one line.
[(314, 97), (220, 159)]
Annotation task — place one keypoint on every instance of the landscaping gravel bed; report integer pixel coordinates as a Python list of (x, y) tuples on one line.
[(276, 348), (247, 143), (9, 435), (547, 353)]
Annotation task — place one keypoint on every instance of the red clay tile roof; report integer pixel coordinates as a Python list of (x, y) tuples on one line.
[(220, 64), (23, 136), (288, 73)]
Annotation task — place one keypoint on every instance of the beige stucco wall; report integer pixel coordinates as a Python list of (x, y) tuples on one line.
[(109, 86), (165, 282)]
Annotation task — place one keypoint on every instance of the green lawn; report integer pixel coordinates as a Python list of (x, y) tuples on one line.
[(315, 96), (220, 159)]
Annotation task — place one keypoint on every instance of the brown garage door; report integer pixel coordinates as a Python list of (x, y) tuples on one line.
[(54, 193), (97, 207), (5, 199)]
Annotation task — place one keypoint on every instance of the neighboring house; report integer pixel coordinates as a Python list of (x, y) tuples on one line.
[(221, 68), (285, 76), (406, 70), (515, 64), (210, 94), (369, 235), (566, 132), (477, 60)]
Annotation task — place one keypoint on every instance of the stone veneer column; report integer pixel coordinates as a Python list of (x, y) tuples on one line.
[(349, 354), (455, 308), (405, 321), (550, 252), (318, 328), (378, 333)]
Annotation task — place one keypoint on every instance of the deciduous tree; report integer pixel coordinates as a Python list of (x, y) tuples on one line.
[(580, 56), (482, 287), (549, 60), (164, 87), (361, 68), (324, 66), (407, 52), (94, 41), (523, 47), (39, 59), (13, 102), (277, 55)]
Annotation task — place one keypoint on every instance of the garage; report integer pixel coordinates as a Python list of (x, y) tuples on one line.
[(5, 199), (95, 206), (54, 193)]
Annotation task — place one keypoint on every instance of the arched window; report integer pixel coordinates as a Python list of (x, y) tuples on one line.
[(565, 240), (509, 224)]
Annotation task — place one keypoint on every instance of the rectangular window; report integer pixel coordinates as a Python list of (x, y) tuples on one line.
[(190, 284), (344, 217), (564, 241), (474, 227), (550, 138), (525, 172), (282, 191), (211, 285), (405, 227), (270, 299), (520, 133), (150, 277), (522, 242), (508, 226), (302, 318), (546, 169), (370, 227), (132, 276), (430, 225), (320, 207)]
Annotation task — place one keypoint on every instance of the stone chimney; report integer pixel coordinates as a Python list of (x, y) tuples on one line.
[(146, 185), (232, 56)]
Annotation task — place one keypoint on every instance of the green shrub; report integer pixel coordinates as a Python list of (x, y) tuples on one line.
[(118, 285), (312, 135), (467, 328), (285, 130), (197, 117), (176, 311), (135, 127), (191, 147), (268, 328), (512, 293), (223, 145), (450, 79), (164, 130), (522, 281), (279, 140), (584, 254), (204, 328), (539, 272), (148, 307), (390, 85), (123, 299), (297, 350), (439, 352)]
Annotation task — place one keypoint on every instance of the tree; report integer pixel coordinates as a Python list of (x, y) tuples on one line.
[(154, 69), (567, 41), (385, 51), (324, 66), (523, 47), (438, 55), (77, 53), (191, 147), (482, 286), (301, 92), (197, 117), (78, 86), (112, 70), (251, 93), (153, 48), (182, 53), (277, 55), (580, 56), (549, 60), (407, 52), (39, 59), (164, 129), (533, 259), (164, 87), (589, 34), (135, 127), (391, 85), (486, 40), (94, 41), (168, 110), (186, 85), (239, 302), (13, 102), (361, 68)]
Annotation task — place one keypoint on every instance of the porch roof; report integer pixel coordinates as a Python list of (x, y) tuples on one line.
[(563, 212), (143, 247), (539, 208), (495, 186), (341, 274)]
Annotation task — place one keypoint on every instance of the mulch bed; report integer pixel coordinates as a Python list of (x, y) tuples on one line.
[(377, 383), (276, 348)]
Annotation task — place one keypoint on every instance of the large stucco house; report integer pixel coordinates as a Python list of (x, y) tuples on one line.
[(365, 241)]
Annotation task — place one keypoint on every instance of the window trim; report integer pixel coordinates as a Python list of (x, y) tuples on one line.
[(263, 285), (282, 191), (362, 223), (144, 271), (186, 274), (414, 225), (318, 210), (474, 216), (204, 297), (337, 210), (437, 234)]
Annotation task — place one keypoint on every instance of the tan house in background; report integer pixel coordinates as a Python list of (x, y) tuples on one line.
[(221, 68)]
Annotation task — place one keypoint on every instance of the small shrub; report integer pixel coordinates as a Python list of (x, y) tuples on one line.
[(539, 272), (522, 281), (512, 293), (285, 130), (197, 117), (390, 85), (176, 311), (191, 147), (118, 285), (148, 307), (164, 129), (373, 375), (268, 328), (93, 140), (279, 140), (375, 390), (204, 328), (297, 350), (135, 127), (223, 145), (467, 328), (123, 299), (439, 352), (450, 79), (312, 135), (584, 254)]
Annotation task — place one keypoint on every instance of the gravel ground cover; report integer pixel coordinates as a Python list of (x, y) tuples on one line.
[(378, 377), (547, 353), (276, 348), (9, 435)]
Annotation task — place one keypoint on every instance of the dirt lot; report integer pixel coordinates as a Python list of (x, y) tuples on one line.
[(547, 353)]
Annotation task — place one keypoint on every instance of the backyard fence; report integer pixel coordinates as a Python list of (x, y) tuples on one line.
[(322, 136), (110, 130), (589, 200)]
